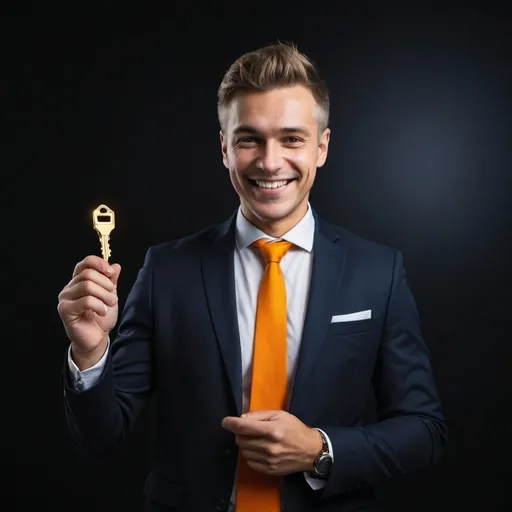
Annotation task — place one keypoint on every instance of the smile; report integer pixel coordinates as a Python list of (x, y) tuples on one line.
[(270, 184)]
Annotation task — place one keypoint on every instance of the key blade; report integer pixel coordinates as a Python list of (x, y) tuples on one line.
[(105, 248)]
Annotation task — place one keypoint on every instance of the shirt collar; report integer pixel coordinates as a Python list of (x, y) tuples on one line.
[(301, 235)]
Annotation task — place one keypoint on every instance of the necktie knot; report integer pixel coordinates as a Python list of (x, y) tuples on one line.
[(272, 251)]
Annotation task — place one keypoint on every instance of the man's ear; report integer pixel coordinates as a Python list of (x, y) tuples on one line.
[(323, 147), (224, 148)]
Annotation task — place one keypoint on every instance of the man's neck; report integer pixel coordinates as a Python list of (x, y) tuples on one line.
[(278, 228)]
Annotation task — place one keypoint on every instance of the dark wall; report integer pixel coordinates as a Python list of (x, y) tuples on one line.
[(122, 110)]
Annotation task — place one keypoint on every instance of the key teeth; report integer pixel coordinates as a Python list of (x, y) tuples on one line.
[(105, 246), (108, 251)]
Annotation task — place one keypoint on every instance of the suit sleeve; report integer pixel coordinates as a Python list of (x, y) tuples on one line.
[(102, 416), (410, 432)]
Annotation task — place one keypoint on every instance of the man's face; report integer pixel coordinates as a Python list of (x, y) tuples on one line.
[(272, 149)]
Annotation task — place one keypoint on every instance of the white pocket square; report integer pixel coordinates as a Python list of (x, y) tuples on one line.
[(352, 317)]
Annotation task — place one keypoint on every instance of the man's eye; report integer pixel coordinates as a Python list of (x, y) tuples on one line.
[(246, 140), (293, 140)]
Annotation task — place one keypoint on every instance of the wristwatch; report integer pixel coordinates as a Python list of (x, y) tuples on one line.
[(323, 462)]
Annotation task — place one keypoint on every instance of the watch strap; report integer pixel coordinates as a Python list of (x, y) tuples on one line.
[(325, 444)]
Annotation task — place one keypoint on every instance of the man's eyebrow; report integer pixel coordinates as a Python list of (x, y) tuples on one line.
[(244, 128), (296, 129)]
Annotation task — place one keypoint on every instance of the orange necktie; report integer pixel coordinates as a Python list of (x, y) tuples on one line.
[(257, 492)]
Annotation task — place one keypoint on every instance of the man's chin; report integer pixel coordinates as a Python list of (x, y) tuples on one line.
[(270, 212)]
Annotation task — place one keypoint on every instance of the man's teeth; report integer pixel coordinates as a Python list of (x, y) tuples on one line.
[(271, 184)]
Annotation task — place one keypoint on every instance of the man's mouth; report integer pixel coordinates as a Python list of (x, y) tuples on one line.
[(271, 184)]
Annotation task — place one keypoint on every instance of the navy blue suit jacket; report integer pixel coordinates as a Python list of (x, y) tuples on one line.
[(178, 337)]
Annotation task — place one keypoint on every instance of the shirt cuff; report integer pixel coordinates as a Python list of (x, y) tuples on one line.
[(83, 380)]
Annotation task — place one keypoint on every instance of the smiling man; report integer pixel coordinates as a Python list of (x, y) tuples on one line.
[(272, 143), (264, 337)]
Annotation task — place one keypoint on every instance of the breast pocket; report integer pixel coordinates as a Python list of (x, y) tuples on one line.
[(353, 326)]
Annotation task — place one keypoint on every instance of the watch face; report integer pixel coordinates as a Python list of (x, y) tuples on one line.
[(323, 465)]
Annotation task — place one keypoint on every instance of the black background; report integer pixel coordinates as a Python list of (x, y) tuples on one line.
[(121, 108)]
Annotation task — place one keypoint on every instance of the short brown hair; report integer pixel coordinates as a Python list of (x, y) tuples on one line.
[(270, 67)]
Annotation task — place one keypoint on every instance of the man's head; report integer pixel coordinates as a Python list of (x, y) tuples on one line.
[(273, 110)]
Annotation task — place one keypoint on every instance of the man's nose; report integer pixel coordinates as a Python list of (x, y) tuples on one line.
[(271, 158)]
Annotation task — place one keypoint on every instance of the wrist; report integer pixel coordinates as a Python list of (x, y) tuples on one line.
[(85, 359), (315, 448)]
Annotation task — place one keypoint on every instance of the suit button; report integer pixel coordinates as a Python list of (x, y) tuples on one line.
[(228, 453), (222, 505)]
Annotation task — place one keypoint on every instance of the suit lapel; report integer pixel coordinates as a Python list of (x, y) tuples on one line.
[(217, 263), (219, 280), (328, 265)]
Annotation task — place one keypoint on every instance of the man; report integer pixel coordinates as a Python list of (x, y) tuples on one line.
[(264, 337)]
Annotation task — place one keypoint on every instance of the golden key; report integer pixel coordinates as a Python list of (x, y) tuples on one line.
[(103, 221)]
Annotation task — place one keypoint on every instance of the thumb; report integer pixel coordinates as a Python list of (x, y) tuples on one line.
[(261, 415), (117, 270)]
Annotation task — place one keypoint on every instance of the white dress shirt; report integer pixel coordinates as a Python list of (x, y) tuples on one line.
[(296, 266)]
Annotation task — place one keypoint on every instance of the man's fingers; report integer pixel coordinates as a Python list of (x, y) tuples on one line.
[(246, 427), (80, 306), (264, 467), (262, 415), (117, 270), (259, 444), (255, 456), (90, 274), (260, 467), (96, 263), (92, 288), (84, 289)]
